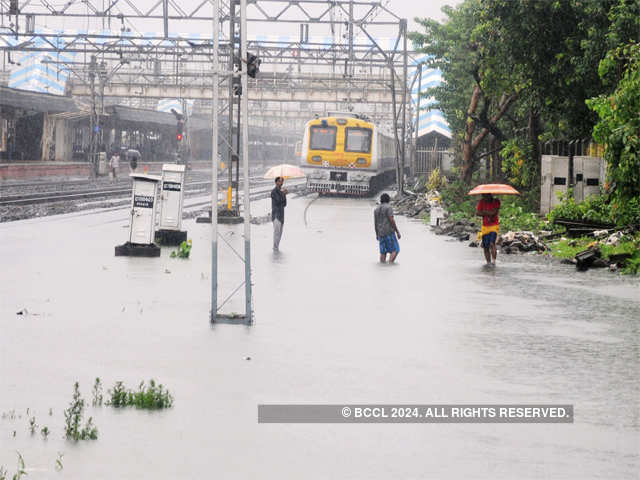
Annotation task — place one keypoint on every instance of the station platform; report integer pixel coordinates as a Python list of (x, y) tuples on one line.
[(332, 325), (57, 170)]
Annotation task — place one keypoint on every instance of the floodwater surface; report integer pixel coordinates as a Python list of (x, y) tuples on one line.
[(332, 326)]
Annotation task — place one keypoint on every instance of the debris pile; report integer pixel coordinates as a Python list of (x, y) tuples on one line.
[(592, 256), (460, 229), (414, 205), (516, 242), (579, 228)]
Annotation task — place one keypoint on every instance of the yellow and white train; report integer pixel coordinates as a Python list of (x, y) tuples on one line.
[(343, 153)]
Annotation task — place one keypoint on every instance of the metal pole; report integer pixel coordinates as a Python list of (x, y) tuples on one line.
[(238, 140), (92, 134), (403, 24), (232, 40), (244, 104), (350, 33), (165, 17), (395, 128), (415, 148), (214, 165)]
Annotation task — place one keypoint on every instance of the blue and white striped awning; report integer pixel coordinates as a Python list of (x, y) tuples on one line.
[(431, 119), (168, 104), (31, 72)]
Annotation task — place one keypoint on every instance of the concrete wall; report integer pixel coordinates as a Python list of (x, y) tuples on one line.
[(554, 173), (64, 152), (590, 175), (18, 171), (21, 171)]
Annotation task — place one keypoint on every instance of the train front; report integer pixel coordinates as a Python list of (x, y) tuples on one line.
[(338, 155)]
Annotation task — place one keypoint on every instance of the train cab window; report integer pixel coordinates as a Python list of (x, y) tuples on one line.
[(323, 138), (358, 140)]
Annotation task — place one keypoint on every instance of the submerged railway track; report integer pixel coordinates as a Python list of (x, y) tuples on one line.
[(110, 192), (115, 197)]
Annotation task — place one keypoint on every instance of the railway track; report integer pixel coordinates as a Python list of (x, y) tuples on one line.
[(47, 186), (88, 194), (255, 193)]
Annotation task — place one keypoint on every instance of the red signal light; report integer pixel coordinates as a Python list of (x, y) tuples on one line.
[(179, 137)]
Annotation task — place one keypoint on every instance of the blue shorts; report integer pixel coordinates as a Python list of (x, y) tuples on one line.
[(488, 239), (389, 244)]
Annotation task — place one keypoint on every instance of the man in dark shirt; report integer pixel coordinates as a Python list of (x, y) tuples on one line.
[(386, 229), (278, 202)]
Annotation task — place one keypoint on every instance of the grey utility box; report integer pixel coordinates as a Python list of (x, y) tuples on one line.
[(590, 176), (554, 172), (171, 204), (143, 217)]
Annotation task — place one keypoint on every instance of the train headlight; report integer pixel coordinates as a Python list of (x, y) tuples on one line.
[(361, 161), (316, 158)]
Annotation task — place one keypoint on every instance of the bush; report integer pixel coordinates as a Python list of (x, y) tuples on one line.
[(627, 213), (518, 163), (595, 208), (456, 200), (515, 212), (514, 216), (437, 181)]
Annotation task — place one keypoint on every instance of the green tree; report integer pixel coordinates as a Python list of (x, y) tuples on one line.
[(475, 94), (519, 71), (619, 130)]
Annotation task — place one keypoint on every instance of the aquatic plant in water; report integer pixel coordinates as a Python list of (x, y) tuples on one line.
[(151, 397), (73, 419), (97, 393), (183, 251), (19, 473)]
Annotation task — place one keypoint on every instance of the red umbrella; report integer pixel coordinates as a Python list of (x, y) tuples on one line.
[(494, 189)]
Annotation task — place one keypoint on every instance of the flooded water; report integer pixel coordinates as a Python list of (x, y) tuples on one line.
[(331, 326)]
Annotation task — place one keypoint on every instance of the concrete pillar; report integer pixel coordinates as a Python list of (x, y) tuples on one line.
[(117, 139), (63, 141), (48, 124)]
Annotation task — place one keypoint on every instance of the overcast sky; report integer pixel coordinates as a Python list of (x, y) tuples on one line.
[(408, 9)]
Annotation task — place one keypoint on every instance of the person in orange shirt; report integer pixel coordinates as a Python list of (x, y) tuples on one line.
[(488, 208)]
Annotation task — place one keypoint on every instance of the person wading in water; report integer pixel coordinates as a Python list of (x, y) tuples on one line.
[(386, 229), (488, 208)]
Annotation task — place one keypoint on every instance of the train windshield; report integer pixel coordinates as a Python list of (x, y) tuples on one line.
[(323, 138), (358, 140)]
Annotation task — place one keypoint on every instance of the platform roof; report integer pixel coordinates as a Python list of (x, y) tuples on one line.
[(36, 101)]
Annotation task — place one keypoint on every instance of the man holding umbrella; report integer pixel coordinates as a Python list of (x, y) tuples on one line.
[(279, 197), (278, 202), (488, 208)]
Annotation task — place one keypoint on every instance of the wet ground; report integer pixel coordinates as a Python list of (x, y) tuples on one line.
[(331, 326)]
